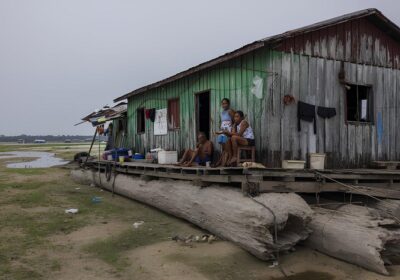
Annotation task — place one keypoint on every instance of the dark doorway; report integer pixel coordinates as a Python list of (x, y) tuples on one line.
[(203, 112)]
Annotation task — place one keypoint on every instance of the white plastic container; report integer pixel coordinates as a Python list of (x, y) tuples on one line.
[(293, 164), (317, 161), (167, 157)]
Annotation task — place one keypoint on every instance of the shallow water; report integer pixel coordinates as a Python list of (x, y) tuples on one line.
[(43, 159)]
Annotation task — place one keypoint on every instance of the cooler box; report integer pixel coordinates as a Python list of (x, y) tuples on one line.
[(167, 157)]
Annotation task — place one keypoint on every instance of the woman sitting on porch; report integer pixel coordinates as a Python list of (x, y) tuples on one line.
[(241, 135)]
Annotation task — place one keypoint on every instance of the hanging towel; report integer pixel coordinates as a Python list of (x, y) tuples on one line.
[(147, 113), (306, 112), (152, 115), (326, 112)]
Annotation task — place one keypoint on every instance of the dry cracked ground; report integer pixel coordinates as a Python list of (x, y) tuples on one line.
[(38, 240)]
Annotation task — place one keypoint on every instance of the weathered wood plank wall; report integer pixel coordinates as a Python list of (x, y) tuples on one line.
[(305, 66), (315, 81), (357, 41)]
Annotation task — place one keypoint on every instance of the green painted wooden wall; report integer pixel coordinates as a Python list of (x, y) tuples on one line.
[(310, 79), (233, 80)]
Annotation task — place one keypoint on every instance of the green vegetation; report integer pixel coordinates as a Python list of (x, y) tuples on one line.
[(32, 205), (239, 266), (19, 186), (15, 147), (65, 151), (157, 228), (38, 240), (26, 171)]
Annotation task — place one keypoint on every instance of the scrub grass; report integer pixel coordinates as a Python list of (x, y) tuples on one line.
[(52, 199), (158, 227), (32, 211), (38, 240), (26, 171), (239, 266), (6, 147), (20, 186)]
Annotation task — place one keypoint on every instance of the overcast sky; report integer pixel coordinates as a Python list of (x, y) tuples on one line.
[(60, 60)]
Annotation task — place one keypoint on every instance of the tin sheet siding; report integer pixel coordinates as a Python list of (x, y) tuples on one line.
[(310, 79), (357, 41)]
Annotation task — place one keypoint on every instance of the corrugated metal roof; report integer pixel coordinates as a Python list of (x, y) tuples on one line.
[(375, 15), (106, 113)]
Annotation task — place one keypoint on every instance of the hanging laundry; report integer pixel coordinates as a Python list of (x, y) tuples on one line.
[(288, 99), (257, 88), (306, 112), (326, 112), (147, 113), (150, 114)]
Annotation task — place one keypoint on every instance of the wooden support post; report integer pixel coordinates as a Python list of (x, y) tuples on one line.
[(91, 146), (250, 188)]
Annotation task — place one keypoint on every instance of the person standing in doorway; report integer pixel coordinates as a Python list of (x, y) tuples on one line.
[(227, 115)]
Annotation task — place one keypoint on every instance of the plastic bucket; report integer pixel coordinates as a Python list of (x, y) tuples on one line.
[(121, 159), (317, 161)]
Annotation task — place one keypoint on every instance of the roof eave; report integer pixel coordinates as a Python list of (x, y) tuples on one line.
[(268, 41), (243, 50)]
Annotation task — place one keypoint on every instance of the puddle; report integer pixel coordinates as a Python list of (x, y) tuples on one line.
[(307, 275), (43, 159)]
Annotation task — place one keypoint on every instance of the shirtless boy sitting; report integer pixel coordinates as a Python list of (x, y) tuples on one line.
[(202, 153)]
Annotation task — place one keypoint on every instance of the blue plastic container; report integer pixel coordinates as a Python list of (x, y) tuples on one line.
[(116, 153), (138, 156)]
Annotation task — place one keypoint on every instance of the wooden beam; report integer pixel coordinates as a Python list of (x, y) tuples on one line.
[(315, 187), (386, 185)]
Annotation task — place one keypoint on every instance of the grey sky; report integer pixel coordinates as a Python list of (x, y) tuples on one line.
[(62, 59)]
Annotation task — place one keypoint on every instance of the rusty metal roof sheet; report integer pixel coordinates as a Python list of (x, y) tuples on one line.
[(373, 14), (106, 113)]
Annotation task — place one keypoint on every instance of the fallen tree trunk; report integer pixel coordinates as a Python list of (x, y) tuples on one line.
[(221, 210), (356, 234), (387, 208)]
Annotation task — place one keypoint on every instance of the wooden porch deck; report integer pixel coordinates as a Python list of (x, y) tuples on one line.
[(383, 183)]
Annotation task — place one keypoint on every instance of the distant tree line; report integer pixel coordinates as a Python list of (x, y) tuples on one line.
[(49, 138)]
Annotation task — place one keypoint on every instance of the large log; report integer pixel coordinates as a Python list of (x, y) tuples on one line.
[(356, 234), (224, 211), (388, 208)]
